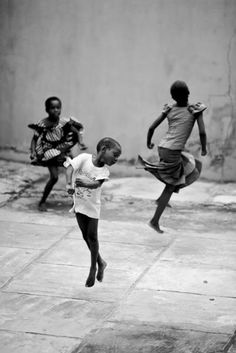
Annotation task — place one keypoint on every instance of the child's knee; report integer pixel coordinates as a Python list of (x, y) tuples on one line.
[(92, 236), (170, 188), (85, 236)]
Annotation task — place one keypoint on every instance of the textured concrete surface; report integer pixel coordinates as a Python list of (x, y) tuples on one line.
[(168, 293)]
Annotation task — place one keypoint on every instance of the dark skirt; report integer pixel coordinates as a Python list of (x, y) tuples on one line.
[(175, 168)]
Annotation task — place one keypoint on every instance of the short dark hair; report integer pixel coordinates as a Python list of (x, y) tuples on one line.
[(179, 90), (48, 101), (108, 142)]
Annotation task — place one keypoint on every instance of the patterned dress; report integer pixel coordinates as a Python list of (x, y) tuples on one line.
[(53, 144)]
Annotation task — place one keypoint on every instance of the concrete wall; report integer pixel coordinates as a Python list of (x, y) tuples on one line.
[(112, 62)]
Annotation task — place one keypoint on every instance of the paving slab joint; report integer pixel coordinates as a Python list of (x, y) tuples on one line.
[(78, 348), (230, 343)]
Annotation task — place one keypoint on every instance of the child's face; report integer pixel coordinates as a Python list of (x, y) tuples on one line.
[(54, 109), (111, 155)]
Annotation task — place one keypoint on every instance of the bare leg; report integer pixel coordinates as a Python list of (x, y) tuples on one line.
[(53, 170), (157, 201), (83, 224), (83, 227), (163, 201), (93, 246)]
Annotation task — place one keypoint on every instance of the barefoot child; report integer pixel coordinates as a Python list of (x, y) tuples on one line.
[(85, 175), (52, 140), (176, 168)]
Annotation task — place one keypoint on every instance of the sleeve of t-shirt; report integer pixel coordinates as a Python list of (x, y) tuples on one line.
[(103, 175), (75, 162)]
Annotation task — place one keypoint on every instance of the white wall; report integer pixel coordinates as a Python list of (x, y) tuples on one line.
[(112, 62)]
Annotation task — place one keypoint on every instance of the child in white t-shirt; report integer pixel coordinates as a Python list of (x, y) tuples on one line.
[(85, 175)]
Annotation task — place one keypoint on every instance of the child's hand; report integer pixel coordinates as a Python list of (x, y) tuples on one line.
[(83, 147), (204, 152), (69, 137), (70, 189), (81, 181), (33, 155)]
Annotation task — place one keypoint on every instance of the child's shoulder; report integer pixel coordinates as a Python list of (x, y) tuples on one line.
[(44, 121), (83, 155), (40, 125), (167, 108), (196, 108), (77, 160)]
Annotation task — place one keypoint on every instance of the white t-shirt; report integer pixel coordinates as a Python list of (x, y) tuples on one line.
[(87, 201)]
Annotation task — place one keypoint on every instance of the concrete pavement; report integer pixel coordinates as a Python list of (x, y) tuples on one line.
[(168, 293)]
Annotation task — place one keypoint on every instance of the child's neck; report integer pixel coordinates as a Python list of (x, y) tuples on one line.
[(97, 162), (53, 119), (182, 104)]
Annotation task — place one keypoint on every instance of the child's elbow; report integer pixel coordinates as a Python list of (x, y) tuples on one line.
[(151, 129)]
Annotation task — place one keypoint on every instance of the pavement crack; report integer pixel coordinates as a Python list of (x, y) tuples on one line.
[(40, 334), (36, 258)]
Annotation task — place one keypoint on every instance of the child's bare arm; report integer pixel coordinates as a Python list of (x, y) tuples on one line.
[(79, 133), (202, 133), (152, 128), (87, 183), (69, 186), (32, 147)]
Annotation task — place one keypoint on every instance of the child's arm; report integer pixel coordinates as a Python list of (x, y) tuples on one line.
[(79, 133), (202, 133), (69, 187), (87, 183), (152, 128), (77, 128), (32, 147)]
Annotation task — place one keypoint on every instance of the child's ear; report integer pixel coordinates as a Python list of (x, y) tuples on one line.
[(103, 149)]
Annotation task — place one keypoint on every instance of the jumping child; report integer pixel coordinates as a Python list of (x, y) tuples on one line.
[(176, 168), (52, 141), (85, 175)]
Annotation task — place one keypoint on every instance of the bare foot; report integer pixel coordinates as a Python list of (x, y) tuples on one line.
[(101, 269), (91, 278), (155, 227), (42, 207)]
